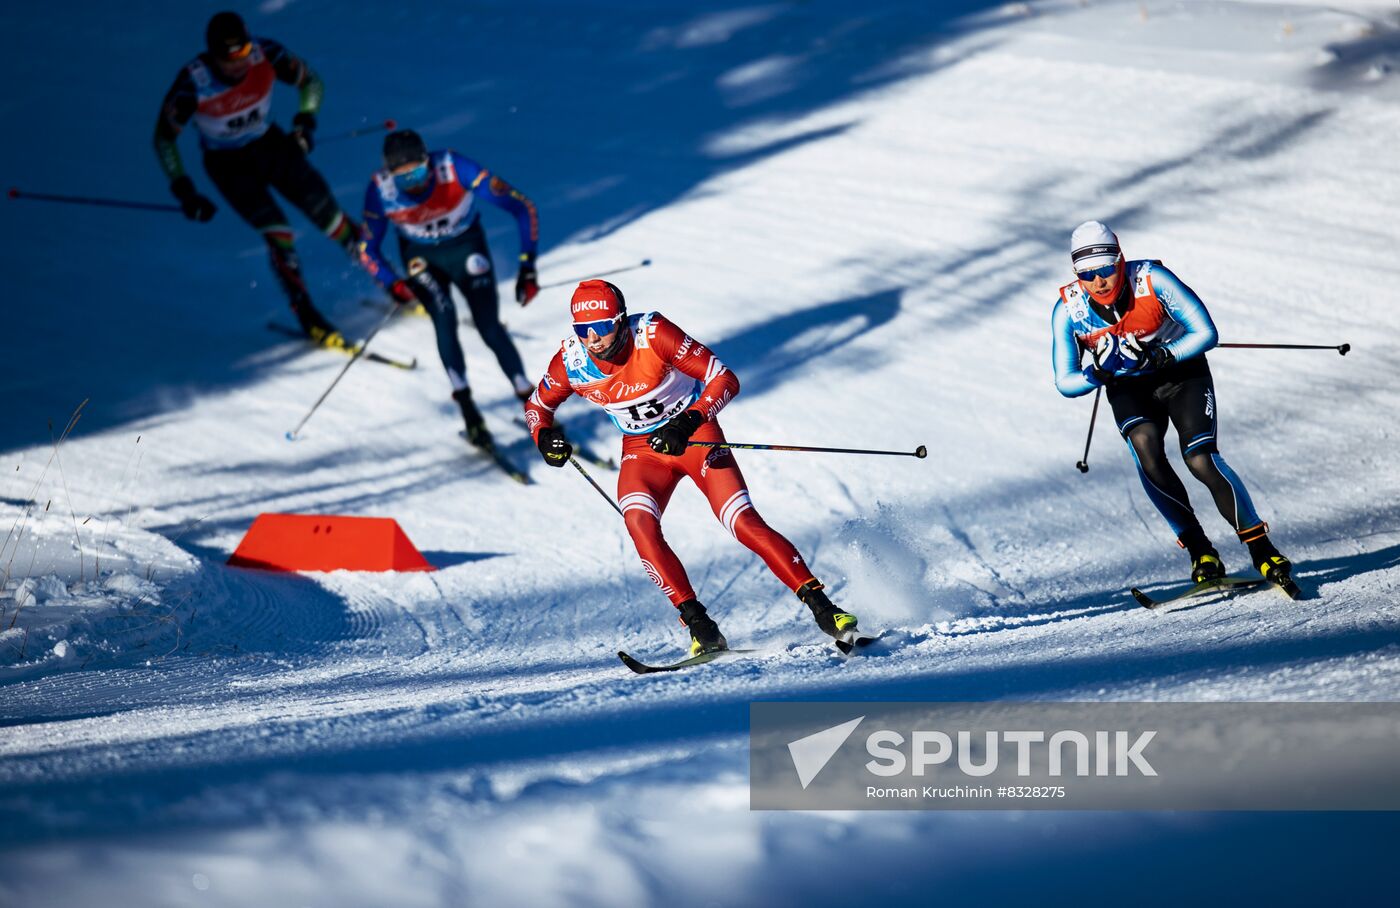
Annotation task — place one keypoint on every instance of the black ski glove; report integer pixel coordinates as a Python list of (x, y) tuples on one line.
[(304, 129), (673, 437), (1156, 357), (527, 280), (553, 448), (195, 206)]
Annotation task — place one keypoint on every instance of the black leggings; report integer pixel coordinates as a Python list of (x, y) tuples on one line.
[(466, 263), (1184, 395), (245, 177)]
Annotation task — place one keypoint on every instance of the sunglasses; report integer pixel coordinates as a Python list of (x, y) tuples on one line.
[(233, 54), (412, 179), (601, 328), (1105, 272)]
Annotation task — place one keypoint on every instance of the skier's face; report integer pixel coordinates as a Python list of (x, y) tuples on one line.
[(1102, 287), (235, 66), (599, 344)]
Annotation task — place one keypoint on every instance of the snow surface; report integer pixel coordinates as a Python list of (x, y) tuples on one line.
[(865, 210)]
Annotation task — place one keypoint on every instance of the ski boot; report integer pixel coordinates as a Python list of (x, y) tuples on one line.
[(841, 626), (1274, 567), (314, 325), (1207, 566), (704, 633), (1205, 560), (331, 339), (477, 434)]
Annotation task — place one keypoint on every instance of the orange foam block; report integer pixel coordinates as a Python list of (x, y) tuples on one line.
[(325, 542)]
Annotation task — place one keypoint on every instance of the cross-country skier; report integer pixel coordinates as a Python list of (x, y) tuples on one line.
[(1147, 334), (662, 388), (227, 91), (431, 198)]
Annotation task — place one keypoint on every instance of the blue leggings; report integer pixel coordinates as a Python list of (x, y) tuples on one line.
[(1184, 396), (465, 262)]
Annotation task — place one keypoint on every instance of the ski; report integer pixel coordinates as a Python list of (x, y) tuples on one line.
[(850, 641), (641, 668), (1220, 584), (370, 355), (581, 451), (498, 459), (1289, 587)]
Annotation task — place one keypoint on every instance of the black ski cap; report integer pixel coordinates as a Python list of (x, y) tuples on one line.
[(225, 35), (402, 147)]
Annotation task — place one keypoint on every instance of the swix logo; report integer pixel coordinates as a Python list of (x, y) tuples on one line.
[(627, 457), (589, 306), (1210, 404)]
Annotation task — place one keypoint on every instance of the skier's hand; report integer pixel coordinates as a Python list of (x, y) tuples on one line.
[(1098, 377), (195, 206), (402, 293), (304, 130), (527, 280), (1156, 357), (553, 448), (673, 437)]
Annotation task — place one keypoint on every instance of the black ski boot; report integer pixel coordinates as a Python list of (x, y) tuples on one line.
[(1274, 567), (704, 633), (1205, 560), (477, 433), (840, 625)]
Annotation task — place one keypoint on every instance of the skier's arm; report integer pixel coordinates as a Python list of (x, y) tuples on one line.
[(293, 70), (175, 111), (1187, 310), (1069, 379), (696, 360), (375, 228), (508, 199), (552, 391)]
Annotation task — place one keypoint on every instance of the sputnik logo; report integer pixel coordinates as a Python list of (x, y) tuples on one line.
[(811, 754)]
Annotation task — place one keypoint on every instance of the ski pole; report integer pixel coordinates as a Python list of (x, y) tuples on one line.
[(606, 497), (919, 452), (1083, 465), (92, 200), (644, 263), (361, 131), (1342, 349), (364, 345)]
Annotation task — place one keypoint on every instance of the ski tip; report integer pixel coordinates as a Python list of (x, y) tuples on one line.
[(1143, 599)]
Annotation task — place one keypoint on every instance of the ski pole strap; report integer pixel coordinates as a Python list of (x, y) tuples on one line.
[(919, 452), (1342, 349), (606, 497), (92, 200)]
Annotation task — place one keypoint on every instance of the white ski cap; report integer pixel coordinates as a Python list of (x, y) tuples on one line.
[(1092, 244)]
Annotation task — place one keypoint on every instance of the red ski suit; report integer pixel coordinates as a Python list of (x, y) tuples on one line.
[(660, 373)]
